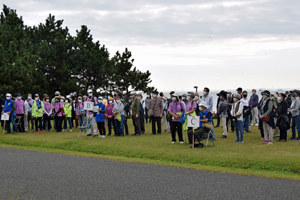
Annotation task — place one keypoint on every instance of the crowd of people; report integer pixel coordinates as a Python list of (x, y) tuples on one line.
[(272, 114)]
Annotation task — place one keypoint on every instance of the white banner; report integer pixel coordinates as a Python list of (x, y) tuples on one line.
[(193, 121), (88, 105)]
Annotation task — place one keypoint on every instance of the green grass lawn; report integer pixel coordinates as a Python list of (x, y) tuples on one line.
[(280, 160)]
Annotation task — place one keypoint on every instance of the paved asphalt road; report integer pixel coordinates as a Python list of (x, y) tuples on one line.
[(39, 175)]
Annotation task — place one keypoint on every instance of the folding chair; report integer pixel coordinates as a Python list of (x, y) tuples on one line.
[(210, 136), (85, 125), (18, 122)]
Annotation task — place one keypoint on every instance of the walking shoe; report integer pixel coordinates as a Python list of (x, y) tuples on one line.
[(292, 138), (100, 136), (241, 141), (41, 131), (297, 139), (109, 135), (95, 135), (270, 142), (256, 124), (89, 134), (153, 133), (70, 130), (173, 142), (223, 136), (181, 142), (265, 142), (158, 133), (248, 131), (236, 141), (137, 134), (35, 132), (262, 138), (283, 140), (200, 145)]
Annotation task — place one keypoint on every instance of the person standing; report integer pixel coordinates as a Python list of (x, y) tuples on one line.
[(100, 117), (91, 117), (246, 112), (29, 112), (175, 109), (118, 112), (47, 114), (57, 94), (142, 119), (58, 114), (37, 113), (266, 115), (289, 103), (230, 102), (208, 99), (222, 110), (294, 110), (127, 113), (237, 114), (218, 116), (165, 108), (20, 109), (282, 117), (157, 106), (135, 109), (240, 91), (147, 102), (110, 116), (68, 114), (273, 97), (253, 106), (10, 108), (80, 112), (191, 109)]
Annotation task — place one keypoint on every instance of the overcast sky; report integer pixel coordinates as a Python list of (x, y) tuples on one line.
[(217, 44)]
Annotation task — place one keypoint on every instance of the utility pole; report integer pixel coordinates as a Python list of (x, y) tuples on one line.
[(196, 87)]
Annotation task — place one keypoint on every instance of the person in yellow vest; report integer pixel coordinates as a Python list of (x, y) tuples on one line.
[(68, 114), (37, 113)]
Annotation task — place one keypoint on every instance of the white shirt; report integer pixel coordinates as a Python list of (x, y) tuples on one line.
[(245, 102)]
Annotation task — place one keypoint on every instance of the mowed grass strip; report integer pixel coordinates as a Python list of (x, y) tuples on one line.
[(280, 160)]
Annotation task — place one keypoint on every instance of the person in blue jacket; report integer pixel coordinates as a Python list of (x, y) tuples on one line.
[(9, 108), (100, 117)]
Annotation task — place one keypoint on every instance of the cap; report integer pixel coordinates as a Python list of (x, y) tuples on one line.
[(266, 92), (68, 96), (89, 91), (57, 93), (203, 103), (172, 92), (100, 97), (18, 94), (155, 92), (133, 93), (238, 96), (8, 95), (175, 95), (36, 95), (165, 98)]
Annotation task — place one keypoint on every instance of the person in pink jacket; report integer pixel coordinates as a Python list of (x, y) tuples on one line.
[(58, 106), (110, 115), (47, 113)]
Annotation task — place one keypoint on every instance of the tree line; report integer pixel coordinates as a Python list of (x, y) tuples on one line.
[(46, 58)]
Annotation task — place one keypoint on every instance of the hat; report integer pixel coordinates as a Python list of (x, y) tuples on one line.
[(266, 92), (155, 92), (238, 96), (191, 94), (133, 93), (184, 95), (57, 93), (100, 97), (36, 95), (239, 89), (293, 95), (175, 95), (18, 94), (62, 97), (274, 94), (68, 96), (172, 92), (223, 93), (203, 103), (79, 97), (89, 91), (110, 98), (45, 95), (8, 95)]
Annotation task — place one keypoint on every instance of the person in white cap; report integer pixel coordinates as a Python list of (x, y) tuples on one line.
[(9, 108), (205, 119), (100, 117), (57, 94), (91, 117), (175, 109)]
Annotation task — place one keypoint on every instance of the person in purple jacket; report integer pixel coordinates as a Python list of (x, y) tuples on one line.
[(175, 109), (47, 113), (110, 115), (20, 108), (253, 106)]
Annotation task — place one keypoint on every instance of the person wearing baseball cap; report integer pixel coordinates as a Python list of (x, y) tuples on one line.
[(37, 113), (100, 117), (237, 114), (266, 115), (175, 109), (204, 127), (9, 108)]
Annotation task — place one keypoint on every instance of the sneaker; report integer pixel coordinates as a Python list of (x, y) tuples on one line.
[(173, 142), (35, 132), (89, 134), (181, 142), (70, 130), (223, 136), (297, 139), (256, 124), (262, 138), (236, 141), (63, 130), (248, 131), (41, 131), (241, 141), (103, 136), (265, 142), (270, 142), (292, 138), (201, 145), (252, 125), (95, 135)]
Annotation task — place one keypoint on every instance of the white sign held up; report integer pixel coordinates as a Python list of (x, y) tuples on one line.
[(5, 117), (193, 121), (96, 109), (88, 105)]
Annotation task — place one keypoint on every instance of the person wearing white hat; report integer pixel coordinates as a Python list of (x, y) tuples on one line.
[(91, 118), (9, 108), (100, 117), (175, 109), (237, 114), (204, 127)]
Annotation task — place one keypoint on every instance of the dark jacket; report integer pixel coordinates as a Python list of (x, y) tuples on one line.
[(282, 113)]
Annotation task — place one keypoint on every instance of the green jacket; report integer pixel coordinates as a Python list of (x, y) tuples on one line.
[(135, 107), (38, 113), (68, 110)]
